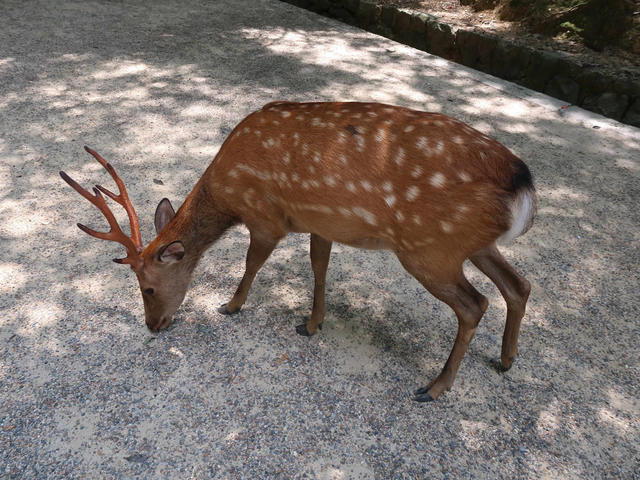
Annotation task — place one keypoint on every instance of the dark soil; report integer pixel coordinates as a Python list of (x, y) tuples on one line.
[(601, 34)]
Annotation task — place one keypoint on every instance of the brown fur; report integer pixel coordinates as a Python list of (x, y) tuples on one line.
[(427, 186)]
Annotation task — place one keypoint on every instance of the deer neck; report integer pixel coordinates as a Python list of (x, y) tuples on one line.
[(198, 224)]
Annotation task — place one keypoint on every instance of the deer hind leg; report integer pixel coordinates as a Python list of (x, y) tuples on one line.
[(320, 252), (469, 306), (515, 290), (259, 250)]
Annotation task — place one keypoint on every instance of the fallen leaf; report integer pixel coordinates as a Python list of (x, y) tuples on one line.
[(282, 358)]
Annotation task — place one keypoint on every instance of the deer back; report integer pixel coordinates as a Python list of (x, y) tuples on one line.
[(362, 174)]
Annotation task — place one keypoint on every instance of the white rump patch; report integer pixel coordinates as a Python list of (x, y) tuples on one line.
[(523, 209)]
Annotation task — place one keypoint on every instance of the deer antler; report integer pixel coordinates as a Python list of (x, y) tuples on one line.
[(133, 244)]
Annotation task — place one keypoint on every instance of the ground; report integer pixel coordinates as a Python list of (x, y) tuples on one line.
[(620, 57)]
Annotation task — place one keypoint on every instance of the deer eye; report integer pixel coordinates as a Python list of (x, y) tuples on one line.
[(149, 291)]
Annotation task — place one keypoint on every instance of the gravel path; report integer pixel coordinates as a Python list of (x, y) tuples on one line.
[(155, 86)]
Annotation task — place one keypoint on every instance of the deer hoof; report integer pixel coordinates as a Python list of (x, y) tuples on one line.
[(302, 330), (224, 310), (422, 395), (500, 367)]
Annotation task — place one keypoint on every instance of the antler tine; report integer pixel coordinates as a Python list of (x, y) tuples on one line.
[(115, 233), (122, 198)]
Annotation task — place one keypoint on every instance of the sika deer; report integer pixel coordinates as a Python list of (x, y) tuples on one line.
[(428, 187)]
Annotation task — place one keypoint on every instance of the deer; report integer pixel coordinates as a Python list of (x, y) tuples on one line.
[(429, 187)]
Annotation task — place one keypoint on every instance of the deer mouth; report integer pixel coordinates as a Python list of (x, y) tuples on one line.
[(162, 324)]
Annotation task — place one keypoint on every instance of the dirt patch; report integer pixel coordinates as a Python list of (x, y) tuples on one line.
[(601, 46)]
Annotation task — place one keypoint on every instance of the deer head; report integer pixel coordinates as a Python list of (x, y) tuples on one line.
[(161, 269)]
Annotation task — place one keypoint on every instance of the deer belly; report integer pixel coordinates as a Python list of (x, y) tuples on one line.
[(330, 227)]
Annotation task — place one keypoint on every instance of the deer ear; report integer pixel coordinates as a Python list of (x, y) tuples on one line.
[(164, 214), (172, 253)]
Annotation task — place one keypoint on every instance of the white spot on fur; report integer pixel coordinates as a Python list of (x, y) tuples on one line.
[(438, 180), (285, 113), (329, 180), (464, 176), (409, 128), (360, 142), (351, 187), (391, 200), (446, 227), (399, 158), (343, 158), (317, 157), (412, 193), (345, 211), (399, 216), (233, 173), (286, 158), (246, 168), (342, 137), (458, 140), (311, 169), (422, 143), (314, 183), (372, 114), (416, 219), (366, 185), (387, 186), (294, 177), (366, 215), (417, 171), (380, 135)]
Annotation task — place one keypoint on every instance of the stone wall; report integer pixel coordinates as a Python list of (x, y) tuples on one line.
[(547, 72)]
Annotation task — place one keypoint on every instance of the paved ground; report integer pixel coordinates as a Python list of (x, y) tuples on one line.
[(156, 87)]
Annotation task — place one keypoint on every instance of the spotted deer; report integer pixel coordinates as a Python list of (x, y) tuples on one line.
[(426, 186)]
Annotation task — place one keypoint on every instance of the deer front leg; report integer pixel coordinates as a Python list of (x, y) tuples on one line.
[(320, 253), (259, 250)]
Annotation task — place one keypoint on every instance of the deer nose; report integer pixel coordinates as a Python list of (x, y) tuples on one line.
[(155, 325)]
